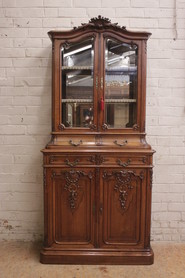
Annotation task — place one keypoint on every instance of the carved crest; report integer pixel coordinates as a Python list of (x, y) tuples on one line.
[(100, 22)]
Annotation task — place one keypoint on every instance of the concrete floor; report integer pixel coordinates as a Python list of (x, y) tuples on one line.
[(21, 259)]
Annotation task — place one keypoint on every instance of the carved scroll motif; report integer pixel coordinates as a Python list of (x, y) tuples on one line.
[(125, 183), (72, 186)]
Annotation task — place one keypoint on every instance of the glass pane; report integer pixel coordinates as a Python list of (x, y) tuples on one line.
[(120, 84), (77, 84)]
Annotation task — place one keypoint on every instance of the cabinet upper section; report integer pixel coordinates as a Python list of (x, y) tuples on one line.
[(99, 79)]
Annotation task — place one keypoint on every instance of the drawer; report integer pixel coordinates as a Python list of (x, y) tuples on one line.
[(71, 160), (125, 161)]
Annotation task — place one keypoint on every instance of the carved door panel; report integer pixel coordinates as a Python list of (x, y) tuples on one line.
[(72, 207), (122, 208)]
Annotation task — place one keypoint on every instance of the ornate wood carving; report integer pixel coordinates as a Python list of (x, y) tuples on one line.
[(92, 126), (135, 127), (97, 159), (123, 186), (123, 164), (61, 126), (100, 22), (72, 186), (72, 164), (105, 127), (143, 159), (66, 45)]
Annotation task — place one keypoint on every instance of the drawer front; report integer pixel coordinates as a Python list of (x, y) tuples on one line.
[(125, 161), (70, 160)]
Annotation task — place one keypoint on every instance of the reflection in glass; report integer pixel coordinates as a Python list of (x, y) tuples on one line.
[(77, 84), (120, 84)]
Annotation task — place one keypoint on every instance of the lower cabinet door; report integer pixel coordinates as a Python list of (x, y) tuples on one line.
[(122, 208), (71, 197)]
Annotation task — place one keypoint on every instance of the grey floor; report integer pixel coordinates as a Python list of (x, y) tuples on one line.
[(21, 259)]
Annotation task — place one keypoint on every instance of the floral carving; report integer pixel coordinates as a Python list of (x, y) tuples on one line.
[(97, 159), (72, 186), (125, 183)]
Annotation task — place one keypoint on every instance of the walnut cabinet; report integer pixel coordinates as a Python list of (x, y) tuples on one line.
[(98, 165)]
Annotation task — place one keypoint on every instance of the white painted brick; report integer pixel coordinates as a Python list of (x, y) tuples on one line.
[(27, 22), (26, 159), (33, 42), (176, 207), (42, 129), (8, 42), (32, 81), (72, 12), (51, 12), (115, 3), (9, 52), (144, 23), (132, 12), (7, 110), (169, 160), (24, 12), (167, 3), (12, 129), (180, 34), (6, 159), (58, 3), (28, 3), (5, 62), (37, 52), (27, 62), (37, 33), (180, 13), (163, 216), (167, 197), (158, 13), (56, 22), (166, 23), (94, 3), (6, 22), (145, 4), (9, 3)]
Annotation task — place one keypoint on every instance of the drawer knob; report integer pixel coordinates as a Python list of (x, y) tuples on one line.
[(123, 164), (120, 144), (72, 164), (75, 144)]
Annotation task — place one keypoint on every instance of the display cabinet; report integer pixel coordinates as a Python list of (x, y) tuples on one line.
[(98, 165)]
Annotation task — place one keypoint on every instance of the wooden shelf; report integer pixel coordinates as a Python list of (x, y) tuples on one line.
[(111, 100), (77, 68)]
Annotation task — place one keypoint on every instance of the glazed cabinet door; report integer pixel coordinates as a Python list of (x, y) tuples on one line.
[(122, 208), (77, 84), (70, 205), (121, 83)]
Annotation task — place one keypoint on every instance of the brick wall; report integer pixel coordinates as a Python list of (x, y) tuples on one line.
[(25, 104)]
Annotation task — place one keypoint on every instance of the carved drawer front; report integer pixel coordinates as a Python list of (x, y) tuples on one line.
[(70, 160), (125, 161)]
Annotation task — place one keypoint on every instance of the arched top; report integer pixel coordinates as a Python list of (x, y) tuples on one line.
[(100, 24)]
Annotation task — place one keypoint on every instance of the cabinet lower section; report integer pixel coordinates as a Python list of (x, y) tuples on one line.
[(97, 214)]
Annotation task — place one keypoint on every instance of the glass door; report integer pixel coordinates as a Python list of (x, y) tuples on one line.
[(77, 84), (120, 86)]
